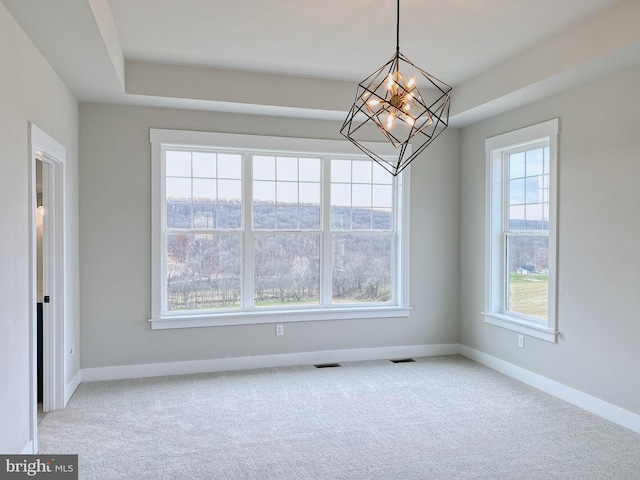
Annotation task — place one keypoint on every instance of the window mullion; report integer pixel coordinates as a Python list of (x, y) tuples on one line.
[(247, 233), (326, 247)]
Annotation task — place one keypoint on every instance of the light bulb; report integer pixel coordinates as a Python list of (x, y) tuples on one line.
[(373, 102), (411, 82), (389, 121), (411, 121), (40, 210)]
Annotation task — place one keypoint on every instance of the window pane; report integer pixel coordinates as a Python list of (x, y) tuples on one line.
[(204, 165), (309, 218), (229, 166), (287, 168), (382, 219), (178, 215), (310, 193), (340, 195), (362, 172), (178, 164), (286, 218), (178, 189), (264, 168), (516, 192), (229, 190), (361, 219), (203, 271), (534, 217), (534, 189), (287, 269), (341, 171), (516, 165), (264, 217), (380, 175), (264, 192), (361, 268), (178, 197), (286, 193), (341, 218), (534, 162), (309, 169), (528, 275), (204, 190), (229, 216), (204, 215), (382, 196), (516, 217), (361, 195)]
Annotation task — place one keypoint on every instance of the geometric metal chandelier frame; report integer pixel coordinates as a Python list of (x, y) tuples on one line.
[(390, 101)]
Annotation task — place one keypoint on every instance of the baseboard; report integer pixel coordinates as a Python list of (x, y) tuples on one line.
[(72, 386), (264, 361), (580, 399), (28, 449)]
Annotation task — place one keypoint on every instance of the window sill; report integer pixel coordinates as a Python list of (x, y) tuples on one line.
[(276, 316), (519, 325)]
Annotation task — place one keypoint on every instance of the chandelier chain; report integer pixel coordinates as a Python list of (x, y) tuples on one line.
[(398, 27)]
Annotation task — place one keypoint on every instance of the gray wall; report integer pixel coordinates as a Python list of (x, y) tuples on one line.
[(115, 247), (598, 350), (31, 92)]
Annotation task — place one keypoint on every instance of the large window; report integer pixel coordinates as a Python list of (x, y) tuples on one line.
[(247, 227), (521, 230)]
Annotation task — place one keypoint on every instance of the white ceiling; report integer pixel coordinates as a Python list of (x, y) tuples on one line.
[(341, 39), (197, 53)]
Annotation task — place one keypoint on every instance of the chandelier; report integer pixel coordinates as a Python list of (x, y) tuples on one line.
[(389, 101)]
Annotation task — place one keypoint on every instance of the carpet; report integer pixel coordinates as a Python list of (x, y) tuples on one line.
[(435, 418)]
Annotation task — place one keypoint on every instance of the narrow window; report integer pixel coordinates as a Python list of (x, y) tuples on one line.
[(521, 230)]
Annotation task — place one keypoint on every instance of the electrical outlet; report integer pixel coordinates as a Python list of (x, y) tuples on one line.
[(521, 341), (279, 330)]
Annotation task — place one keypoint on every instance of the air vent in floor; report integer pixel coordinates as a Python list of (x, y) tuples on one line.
[(403, 360), (327, 365)]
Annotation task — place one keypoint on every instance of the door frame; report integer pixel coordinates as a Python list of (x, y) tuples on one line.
[(53, 156)]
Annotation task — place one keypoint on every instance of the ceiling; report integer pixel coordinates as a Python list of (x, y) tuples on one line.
[(338, 39), (303, 57)]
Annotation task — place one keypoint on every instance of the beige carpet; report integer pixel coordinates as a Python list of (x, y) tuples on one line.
[(437, 418)]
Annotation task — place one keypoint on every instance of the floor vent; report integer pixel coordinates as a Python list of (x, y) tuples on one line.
[(403, 360), (327, 365)]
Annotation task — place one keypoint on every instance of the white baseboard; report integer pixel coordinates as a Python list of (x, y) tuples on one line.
[(580, 399), (591, 404), (71, 387), (28, 449), (263, 361)]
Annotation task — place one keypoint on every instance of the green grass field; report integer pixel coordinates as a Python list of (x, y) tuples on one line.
[(528, 294)]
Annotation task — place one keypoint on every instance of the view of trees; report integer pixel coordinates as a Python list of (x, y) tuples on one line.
[(204, 271), (362, 268), (528, 279)]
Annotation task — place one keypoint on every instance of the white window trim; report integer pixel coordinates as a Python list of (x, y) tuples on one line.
[(161, 138), (495, 148)]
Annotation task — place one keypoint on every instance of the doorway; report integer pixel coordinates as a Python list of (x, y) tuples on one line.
[(47, 274), (40, 212)]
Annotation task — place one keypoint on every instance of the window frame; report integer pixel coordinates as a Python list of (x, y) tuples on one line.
[(498, 149), (162, 139)]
